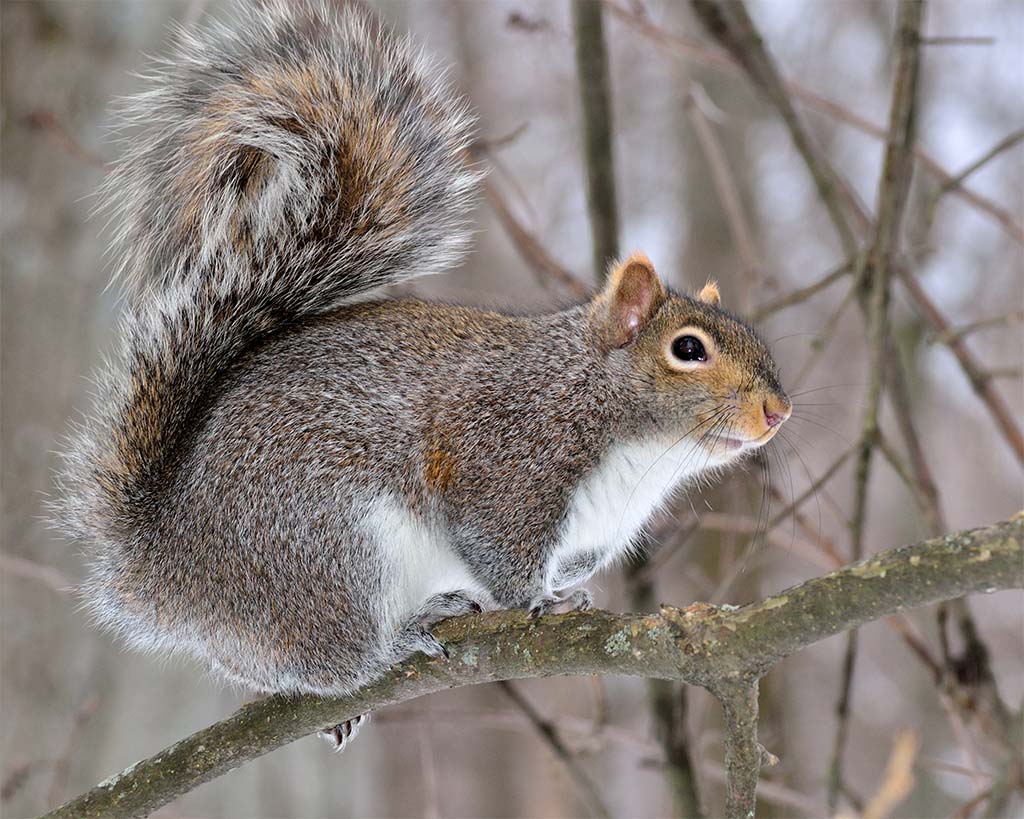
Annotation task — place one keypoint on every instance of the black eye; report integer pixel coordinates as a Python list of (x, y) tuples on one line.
[(689, 348)]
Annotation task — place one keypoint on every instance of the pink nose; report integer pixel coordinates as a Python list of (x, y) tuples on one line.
[(773, 418)]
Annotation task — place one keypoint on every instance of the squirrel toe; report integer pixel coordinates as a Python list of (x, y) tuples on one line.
[(339, 736)]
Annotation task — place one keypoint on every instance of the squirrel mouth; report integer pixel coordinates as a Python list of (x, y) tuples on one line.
[(737, 444)]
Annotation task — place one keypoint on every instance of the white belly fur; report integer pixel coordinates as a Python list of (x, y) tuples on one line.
[(614, 501), (420, 561), (607, 511)]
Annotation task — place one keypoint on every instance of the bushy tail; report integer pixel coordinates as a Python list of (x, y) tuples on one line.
[(277, 168)]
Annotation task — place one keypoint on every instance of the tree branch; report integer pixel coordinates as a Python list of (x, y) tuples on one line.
[(742, 753), (701, 645), (875, 274), (727, 22), (592, 75), (691, 48)]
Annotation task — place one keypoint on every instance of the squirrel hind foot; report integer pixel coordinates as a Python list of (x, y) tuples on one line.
[(442, 606), (415, 636), (339, 736)]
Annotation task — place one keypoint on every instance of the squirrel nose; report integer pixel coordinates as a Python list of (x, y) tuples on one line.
[(776, 410)]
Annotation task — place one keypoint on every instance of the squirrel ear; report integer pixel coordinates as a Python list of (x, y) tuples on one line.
[(633, 294), (709, 294)]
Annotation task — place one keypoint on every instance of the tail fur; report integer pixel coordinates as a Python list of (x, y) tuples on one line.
[(278, 168)]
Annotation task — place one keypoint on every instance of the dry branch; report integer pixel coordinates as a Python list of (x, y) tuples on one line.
[(701, 645), (893, 191), (592, 76), (548, 733), (666, 699), (691, 48)]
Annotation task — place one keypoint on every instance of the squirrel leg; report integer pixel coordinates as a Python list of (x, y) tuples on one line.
[(412, 637), (442, 606), (415, 634), (340, 735)]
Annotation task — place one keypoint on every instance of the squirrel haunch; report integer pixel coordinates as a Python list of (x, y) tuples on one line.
[(293, 481)]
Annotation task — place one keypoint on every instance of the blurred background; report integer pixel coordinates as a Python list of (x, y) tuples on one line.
[(709, 185)]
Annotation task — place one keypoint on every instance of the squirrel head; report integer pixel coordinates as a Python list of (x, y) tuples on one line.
[(693, 369)]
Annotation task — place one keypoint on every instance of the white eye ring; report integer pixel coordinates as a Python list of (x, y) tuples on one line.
[(689, 349)]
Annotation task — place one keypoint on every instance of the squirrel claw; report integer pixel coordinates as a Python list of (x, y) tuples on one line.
[(432, 647), (339, 736), (542, 605)]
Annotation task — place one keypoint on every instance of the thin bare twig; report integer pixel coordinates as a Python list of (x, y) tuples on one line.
[(823, 479), (825, 337), (893, 190), (954, 333), (691, 48), (802, 294), (728, 192), (958, 40), (898, 780), (980, 379), (29, 569), (544, 266), (62, 765), (900, 401), (903, 471), (956, 181), (563, 753), (728, 22)]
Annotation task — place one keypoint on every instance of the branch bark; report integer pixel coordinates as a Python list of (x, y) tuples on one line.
[(742, 753), (719, 649)]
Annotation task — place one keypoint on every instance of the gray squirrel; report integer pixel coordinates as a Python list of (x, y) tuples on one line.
[(292, 478)]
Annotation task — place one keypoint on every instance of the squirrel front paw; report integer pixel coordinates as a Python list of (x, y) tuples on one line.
[(579, 600)]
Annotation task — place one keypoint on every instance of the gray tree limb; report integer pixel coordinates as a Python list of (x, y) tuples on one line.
[(723, 650), (596, 111)]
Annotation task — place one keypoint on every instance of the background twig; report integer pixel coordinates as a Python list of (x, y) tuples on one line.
[(595, 107)]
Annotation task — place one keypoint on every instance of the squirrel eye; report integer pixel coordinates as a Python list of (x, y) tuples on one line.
[(689, 348)]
